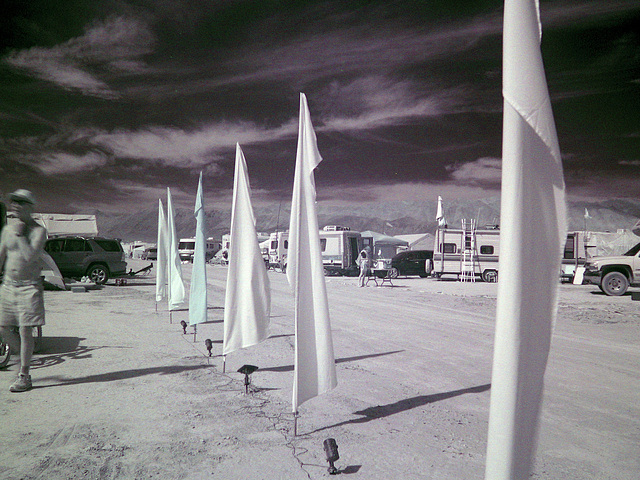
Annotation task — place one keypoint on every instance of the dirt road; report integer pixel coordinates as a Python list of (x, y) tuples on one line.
[(120, 392)]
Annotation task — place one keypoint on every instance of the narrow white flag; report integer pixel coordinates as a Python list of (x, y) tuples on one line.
[(247, 303), (176, 291), (315, 370), (440, 213), (533, 230), (198, 288), (161, 260)]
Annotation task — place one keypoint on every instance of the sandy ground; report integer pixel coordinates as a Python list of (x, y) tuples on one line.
[(120, 391)]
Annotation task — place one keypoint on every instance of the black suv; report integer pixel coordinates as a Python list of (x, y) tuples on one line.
[(411, 262), (96, 257)]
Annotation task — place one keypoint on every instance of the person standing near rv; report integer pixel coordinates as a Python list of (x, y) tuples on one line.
[(364, 262), (21, 292)]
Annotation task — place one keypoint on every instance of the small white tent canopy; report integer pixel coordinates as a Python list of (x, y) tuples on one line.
[(418, 241), (384, 246), (62, 224)]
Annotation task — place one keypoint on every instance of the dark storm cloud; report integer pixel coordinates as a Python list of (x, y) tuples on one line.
[(125, 98)]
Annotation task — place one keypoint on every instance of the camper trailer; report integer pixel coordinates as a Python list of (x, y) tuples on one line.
[(340, 249), (278, 245), (467, 252), (476, 251), (187, 247)]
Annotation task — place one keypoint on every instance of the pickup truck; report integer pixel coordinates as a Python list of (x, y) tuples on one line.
[(614, 274)]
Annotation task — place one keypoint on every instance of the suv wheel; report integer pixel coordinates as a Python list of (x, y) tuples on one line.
[(99, 274), (614, 284), (393, 273)]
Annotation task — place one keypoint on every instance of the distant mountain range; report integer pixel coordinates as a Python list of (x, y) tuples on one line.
[(391, 218)]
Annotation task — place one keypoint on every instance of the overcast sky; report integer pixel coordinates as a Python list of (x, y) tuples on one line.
[(105, 103)]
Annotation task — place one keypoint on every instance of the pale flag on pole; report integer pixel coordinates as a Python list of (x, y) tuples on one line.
[(533, 229), (314, 363), (440, 213), (198, 288), (161, 261), (176, 291), (247, 303), (586, 213)]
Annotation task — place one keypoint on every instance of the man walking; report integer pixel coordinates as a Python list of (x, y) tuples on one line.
[(21, 292)]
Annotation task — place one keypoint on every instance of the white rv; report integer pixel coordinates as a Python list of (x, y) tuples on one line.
[(278, 246), (187, 247), (451, 246), (340, 249), (458, 251)]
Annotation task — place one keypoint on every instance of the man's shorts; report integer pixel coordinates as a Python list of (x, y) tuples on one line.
[(21, 305)]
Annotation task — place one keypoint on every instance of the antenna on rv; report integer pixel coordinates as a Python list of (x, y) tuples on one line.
[(278, 219)]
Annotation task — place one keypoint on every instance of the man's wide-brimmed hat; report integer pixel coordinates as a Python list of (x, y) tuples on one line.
[(22, 195)]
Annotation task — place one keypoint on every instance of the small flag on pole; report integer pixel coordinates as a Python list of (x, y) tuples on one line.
[(533, 230), (440, 214), (314, 363)]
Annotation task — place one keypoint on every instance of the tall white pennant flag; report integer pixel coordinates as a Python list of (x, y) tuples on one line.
[(440, 213), (161, 261), (176, 291), (586, 213), (248, 296), (533, 230), (315, 370), (198, 288)]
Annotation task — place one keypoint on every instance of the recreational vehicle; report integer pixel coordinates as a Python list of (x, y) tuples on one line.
[(278, 246), (340, 249), (187, 247), (467, 252), (475, 253)]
